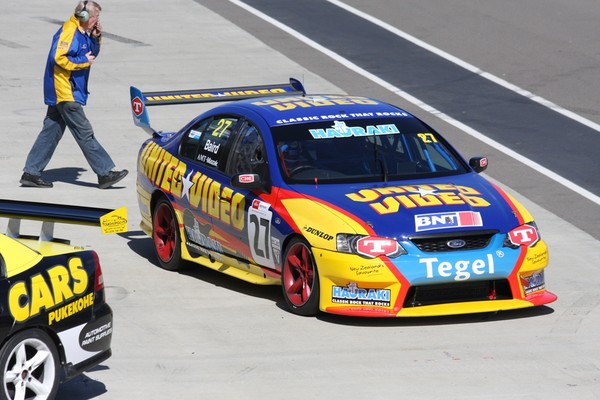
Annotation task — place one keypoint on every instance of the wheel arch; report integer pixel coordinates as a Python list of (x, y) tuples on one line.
[(286, 242), (51, 334), (156, 196)]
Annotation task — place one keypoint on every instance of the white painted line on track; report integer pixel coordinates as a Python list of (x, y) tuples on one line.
[(406, 96), (469, 67)]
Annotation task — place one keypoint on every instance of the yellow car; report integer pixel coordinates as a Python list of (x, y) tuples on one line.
[(54, 320)]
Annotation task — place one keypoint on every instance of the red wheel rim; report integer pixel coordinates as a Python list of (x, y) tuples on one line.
[(298, 274), (164, 232)]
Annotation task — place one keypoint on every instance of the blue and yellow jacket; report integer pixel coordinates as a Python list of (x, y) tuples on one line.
[(67, 68)]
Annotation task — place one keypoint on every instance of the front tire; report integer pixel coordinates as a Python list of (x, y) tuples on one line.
[(165, 235), (30, 367), (300, 279)]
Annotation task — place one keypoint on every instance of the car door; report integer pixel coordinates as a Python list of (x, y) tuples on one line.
[(248, 156), (211, 204)]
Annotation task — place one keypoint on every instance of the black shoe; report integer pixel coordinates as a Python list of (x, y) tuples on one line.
[(30, 180), (111, 178)]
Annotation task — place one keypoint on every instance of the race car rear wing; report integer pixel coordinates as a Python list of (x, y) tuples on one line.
[(111, 221), (140, 100)]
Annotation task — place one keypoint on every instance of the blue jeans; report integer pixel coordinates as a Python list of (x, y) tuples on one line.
[(57, 119)]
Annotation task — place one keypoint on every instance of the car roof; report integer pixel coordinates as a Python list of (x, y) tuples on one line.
[(285, 110)]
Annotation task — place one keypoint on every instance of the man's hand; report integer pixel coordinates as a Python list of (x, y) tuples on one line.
[(90, 57), (97, 30)]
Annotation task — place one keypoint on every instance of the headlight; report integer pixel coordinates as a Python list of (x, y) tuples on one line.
[(369, 246), (524, 235)]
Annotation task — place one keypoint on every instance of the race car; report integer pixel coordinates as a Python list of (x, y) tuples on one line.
[(54, 320), (354, 206)]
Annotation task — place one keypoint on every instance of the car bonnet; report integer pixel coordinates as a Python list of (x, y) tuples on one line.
[(403, 208)]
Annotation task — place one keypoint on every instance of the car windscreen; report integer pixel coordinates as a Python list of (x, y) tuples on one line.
[(363, 150)]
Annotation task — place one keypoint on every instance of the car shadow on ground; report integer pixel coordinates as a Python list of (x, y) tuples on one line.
[(142, 245), (530, 312), (81, 387)]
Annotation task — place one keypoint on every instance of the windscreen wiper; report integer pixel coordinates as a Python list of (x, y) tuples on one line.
[(380, 160)]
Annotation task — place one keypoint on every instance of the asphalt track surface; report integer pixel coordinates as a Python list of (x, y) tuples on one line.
[(198, 334)]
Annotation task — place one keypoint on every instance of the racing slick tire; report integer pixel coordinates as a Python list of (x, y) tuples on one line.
[(30, 366), (300, 279), (165, 235)]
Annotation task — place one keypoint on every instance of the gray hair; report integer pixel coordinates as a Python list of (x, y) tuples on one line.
[(88, 5)]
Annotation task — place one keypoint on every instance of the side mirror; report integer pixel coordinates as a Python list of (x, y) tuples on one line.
[(250, 182), (479, 164)]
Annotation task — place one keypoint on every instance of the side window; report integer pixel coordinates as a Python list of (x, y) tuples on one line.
[(208, 142), (431, 156), (189, 143), (213, 146), (249, 153)]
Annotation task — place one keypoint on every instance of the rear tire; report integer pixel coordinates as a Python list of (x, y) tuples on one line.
[(165, 235), (300, 279), (30, 367)]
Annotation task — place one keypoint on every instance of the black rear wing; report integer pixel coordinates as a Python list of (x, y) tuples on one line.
[(111, 221)]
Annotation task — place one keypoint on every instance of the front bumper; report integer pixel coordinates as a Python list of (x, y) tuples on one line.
[(489, 280)]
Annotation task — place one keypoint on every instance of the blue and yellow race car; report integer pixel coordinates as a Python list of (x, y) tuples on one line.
[(54, 319), (355, 206)]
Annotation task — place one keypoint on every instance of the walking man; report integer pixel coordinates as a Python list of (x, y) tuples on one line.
[(74, 49)]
